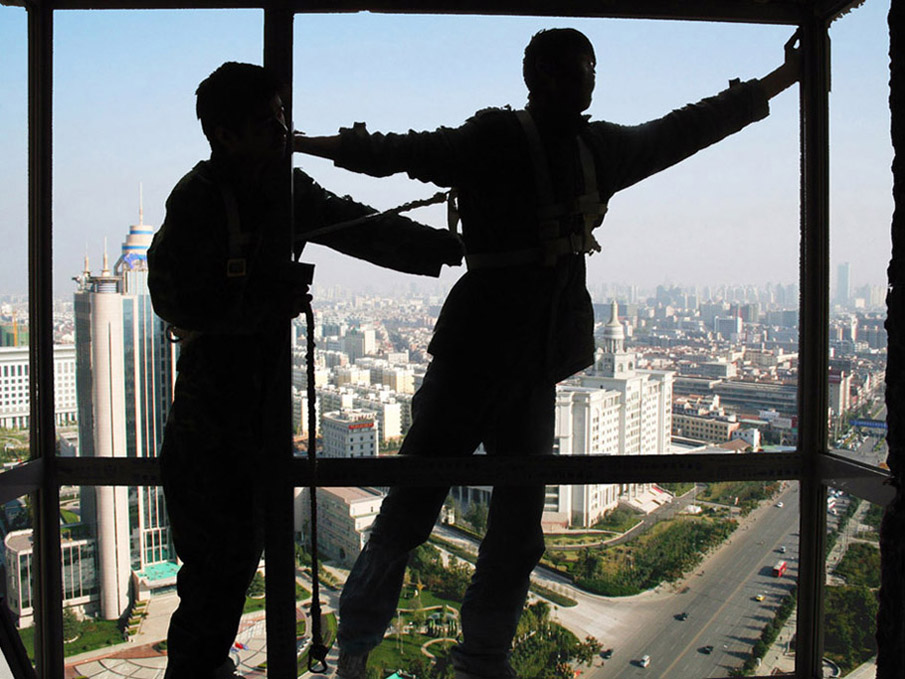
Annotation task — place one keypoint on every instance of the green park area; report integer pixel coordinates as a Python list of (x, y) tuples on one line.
[(850, 615), (86, 635), (618, 520), (872, 517), (745, 495), (427, 626), (860, 566), (663, 553), (14, 445)]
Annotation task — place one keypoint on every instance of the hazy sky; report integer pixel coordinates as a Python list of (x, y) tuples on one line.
[(124, 116)]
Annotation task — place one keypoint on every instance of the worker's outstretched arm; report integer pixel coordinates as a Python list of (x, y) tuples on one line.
[(324, 147), (785, 75)]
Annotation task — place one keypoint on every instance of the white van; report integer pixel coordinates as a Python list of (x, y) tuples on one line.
[(645, 661)]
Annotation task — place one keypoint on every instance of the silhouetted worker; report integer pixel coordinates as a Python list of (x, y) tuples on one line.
[(220, 274), (532, 185)]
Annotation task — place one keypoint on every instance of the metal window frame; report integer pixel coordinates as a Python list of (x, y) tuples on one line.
[(812, 465)]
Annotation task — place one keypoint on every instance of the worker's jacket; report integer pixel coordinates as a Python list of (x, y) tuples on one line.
[(230, 305), (508, 311)]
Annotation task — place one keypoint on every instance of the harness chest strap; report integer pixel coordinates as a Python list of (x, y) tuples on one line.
[(236, 263), (550, 213), (237, 241)]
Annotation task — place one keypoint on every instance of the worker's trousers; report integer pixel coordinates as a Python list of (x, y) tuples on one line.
[(216, 522), (454, 411)]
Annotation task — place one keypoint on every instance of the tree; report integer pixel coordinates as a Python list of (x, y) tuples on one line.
[(257, 587), (586, 651), (477, 516), (302, 557), (72, 626)]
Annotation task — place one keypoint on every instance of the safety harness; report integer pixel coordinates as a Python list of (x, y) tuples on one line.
[(553, 218)]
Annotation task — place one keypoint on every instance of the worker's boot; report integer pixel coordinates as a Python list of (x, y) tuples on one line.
[(351, 666), (227, 671)]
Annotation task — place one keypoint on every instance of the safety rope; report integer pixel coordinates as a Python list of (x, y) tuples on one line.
[(439, 197), (317, 654)]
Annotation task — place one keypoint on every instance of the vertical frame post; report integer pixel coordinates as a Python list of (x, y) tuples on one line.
[(813, 388), (48, 589), (280, 546)]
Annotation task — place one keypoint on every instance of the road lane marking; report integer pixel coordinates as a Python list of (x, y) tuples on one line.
[(697, 636)]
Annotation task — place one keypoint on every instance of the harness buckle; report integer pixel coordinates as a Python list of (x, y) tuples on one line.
[(235, 268)]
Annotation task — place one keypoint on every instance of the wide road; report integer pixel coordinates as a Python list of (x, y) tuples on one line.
[(719, 599), (865, 451)]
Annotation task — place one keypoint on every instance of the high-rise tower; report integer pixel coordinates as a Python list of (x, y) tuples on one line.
[(125, 371), (844, 283)]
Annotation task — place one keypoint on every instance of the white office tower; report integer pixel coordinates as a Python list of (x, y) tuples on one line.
[(344, 520), (124, 375), (350, 433), (617, 410), (645, 419), (587, 423)]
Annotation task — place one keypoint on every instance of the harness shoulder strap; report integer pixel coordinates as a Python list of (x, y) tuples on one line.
[(237, 242), (543, 182)]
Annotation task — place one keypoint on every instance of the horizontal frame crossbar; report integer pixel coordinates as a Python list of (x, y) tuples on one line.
[(21, 480), (788, 12), (866, 482), (858, 479)]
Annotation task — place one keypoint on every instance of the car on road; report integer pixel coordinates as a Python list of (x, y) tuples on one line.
[(760, 596), (645, 661), (607, 654), (779, 504), (683, 616), (706, 650)]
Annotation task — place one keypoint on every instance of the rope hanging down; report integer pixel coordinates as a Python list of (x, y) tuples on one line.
[(317, 654)]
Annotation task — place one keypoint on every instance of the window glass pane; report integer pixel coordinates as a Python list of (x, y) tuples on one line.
[(125, 132), (852, 582), (861, 212), (717, 229), (701, 268), (14, 329), (16, 528), (700, 578)]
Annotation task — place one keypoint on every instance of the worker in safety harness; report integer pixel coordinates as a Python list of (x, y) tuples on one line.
[(220, 277), (533, 185)]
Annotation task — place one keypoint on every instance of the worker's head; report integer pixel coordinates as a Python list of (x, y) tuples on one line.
[(558, 69), (241, 112)]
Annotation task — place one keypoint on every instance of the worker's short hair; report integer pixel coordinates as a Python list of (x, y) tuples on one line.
[(230, 95), (550, 44)]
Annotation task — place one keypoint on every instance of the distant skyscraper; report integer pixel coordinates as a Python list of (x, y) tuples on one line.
[(843, 283), (125, 371)]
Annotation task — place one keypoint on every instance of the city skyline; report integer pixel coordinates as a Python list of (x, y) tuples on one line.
[(124, 117)]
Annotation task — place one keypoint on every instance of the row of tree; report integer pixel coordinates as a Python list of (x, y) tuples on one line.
[(650, 561)]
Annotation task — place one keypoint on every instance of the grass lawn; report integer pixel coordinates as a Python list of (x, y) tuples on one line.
[(95, 634), (252, 605), (395, 651), (749, 493), (554, 541), (618, 520), (678, 489), (428, 599)]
